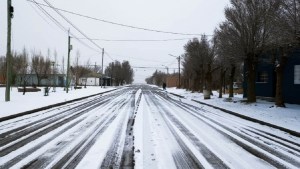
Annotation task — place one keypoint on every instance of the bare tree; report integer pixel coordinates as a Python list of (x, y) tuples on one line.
[(228, 53), (157, 78), (251, 22), (21, 68), (62, 70), (86, 70), (286, 38), (198, 64), (193, 65), (127, 72), (121, 72), (40, 66), (76, 69)]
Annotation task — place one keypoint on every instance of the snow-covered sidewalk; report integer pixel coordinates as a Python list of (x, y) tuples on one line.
[(288, 117), (32, 100)]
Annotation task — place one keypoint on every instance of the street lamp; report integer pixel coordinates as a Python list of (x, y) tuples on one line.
[(178, 57)]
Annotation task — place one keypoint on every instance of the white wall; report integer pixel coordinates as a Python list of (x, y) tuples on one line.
[(91, 81)]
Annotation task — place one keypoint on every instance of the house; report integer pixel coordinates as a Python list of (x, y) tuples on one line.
[(266, 78), (95, 81), (89, 81)]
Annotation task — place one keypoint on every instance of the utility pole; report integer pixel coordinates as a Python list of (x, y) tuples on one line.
[(102, 68), (10, 15), (179, 71), (95, 74), (178, 68), (53, 76), (68, 64), (112, 73)]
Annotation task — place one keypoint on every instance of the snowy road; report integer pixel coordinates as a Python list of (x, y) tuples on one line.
[(142, 127)]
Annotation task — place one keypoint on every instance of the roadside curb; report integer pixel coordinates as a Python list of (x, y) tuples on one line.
[(292, 132), (51, 106)]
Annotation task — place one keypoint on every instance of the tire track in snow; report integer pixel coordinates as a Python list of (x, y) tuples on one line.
[(16, 139), (183, 157), (74, 156), (26, 129), (117, 154), (266, 153), (211, 158), (70, 122)]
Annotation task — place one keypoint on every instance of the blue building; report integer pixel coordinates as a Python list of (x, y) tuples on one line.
[(266, 78)]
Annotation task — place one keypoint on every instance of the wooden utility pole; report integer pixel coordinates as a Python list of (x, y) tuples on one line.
[(178, 68), (179, 71), (68, 65), (102, 68), (10, 11)]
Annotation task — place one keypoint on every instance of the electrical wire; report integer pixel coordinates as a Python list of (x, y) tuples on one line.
[(146, 67), (66, 19), (109, 56), (36, 11), (51, 18), (140, 40), (60, 25), (86, 37), (119, 24)]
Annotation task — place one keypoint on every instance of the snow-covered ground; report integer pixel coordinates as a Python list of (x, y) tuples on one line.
[(288, 117), (143, 127), (32, 100)]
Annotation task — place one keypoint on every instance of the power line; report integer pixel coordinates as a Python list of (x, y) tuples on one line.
[(66, 19), (86, 37), (40, 15), (59, 24), (115, 23), (146, 67), (49, 16), (140, 40), (106, 53)]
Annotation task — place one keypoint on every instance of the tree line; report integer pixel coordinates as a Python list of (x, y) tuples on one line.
[(27, 63), (121, 73), (42, 66), (252, 29), (24, 63)]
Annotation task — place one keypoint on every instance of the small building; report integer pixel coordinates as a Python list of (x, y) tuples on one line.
[(266, 78), (106, 81), (89, 81), (95, 81)]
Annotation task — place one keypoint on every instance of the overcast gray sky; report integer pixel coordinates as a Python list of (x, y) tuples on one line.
[(34, 30)]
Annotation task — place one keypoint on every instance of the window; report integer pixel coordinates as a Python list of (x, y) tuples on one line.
[(262, 77), (297, 74)]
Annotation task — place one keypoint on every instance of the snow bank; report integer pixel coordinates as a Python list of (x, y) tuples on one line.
[(32, 100), (262, 110)]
